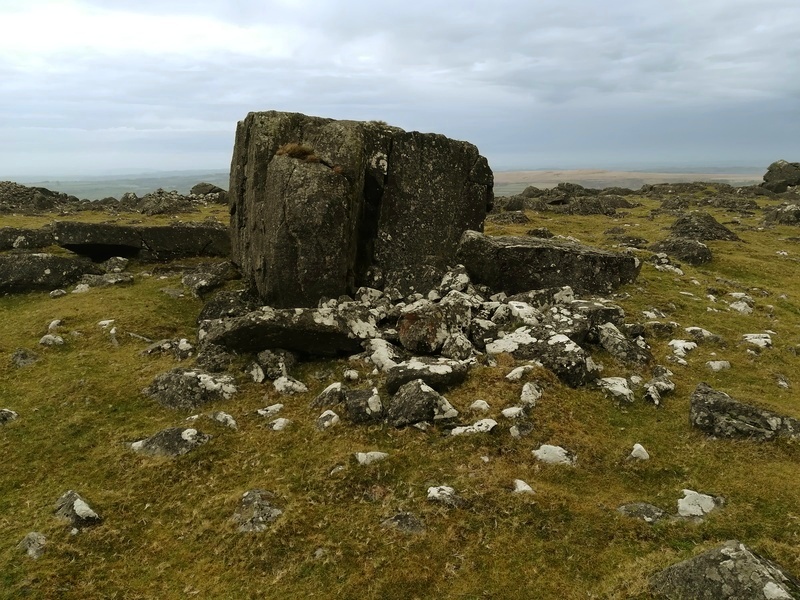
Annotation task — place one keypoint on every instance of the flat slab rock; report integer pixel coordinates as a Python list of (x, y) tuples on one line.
[(159, 242), (175, 441), (717, 414), (315, 331), (187, 389), (32, 272), (518, 264), (438, 373), (730, 571)]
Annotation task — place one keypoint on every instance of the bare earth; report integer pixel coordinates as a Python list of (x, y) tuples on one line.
[(508, 183)]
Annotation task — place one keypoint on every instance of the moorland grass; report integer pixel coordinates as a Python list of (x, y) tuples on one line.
[(168, 531)]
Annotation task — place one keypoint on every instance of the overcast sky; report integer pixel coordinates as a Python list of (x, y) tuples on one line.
[(90, 86)]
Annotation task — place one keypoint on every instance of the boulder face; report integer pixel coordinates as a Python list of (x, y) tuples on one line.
[(26, 272), (320, 207), (731, 570), (781, 175), (518, 264)]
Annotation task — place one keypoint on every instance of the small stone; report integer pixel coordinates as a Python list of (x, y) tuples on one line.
[(521, 429), (58, 293), (270, 411), (517, 373), (520, 487), (225, 419), (479, 406), (327, 420), (643, 511), (718, 365), (681, 347), (554, 455), (51, 340), (444, 494), (367, 458), (289, 385), (24, 358), (255, 512), (81, 288), (7, 415), (695, 504), (513, 412), (617, 388), (76, 510), (639, 453), (482, 426), (530, 394), (761, 340), (33, 544), (405, 523), (279, 424), (351, 375)]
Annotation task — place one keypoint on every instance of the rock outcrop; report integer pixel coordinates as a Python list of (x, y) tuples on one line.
[(320, 207), (519, 264)]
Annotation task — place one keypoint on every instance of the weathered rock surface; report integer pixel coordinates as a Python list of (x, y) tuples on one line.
[(364, 407), (175, 441), (33, 544), (101, 241), (518, 264), (321, 332), (642, 511), (186, 389), (438, 373), (24, 272), (16, 238), (781, 175), (416, 402), (702, 226), (255, 511), (72, 507), (404, 522), (319, 207), (727, 572), (716, 413), (7, 415), (688, 250)]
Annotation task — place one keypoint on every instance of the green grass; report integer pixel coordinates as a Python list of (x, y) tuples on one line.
[(168, 531)]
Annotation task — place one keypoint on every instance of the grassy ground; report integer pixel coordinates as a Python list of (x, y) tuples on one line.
[(168, 531)]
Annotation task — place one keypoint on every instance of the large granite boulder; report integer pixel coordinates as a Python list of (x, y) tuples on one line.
[(100, 241), (518, 264), (727, 572), (781, 175), (26, 272), (320, 207), (716, 413), (702, 226)]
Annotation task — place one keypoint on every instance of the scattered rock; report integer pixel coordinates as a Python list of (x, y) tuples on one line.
[(405, 523), (327, 420), (72, 507), (26, 272), (289, 385), (639, 453), (255, 511), (33, 544), (482, 426), (22, 357), (51, 340), (718, 365), (187, 389), (695, 504), (7, 415), (520, 487), (716, 413), (554, 455), (444, 494), (617, 388), (364, 407), (702, 226), (415, 402), (175, 441), (642, 511), (367, 458), (688, 250)]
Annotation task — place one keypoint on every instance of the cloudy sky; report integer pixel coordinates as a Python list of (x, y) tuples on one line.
[(91, 86)]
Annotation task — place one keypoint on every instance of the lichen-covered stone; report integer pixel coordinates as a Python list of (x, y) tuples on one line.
[(716, 413), (727, 572), (175, 441), (186, 389)]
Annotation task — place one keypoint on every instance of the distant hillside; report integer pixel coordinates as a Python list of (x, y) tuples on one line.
[(96, 188)]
